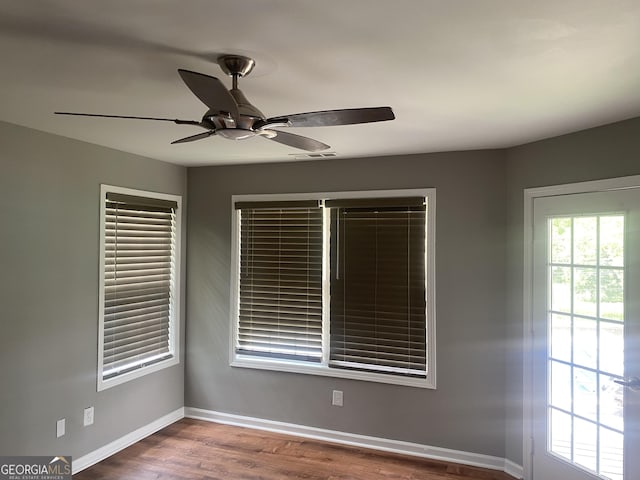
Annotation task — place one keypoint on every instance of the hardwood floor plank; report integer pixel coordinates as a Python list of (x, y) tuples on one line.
[(198, 450)]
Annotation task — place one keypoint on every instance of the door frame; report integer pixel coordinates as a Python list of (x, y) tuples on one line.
[(530, 194)]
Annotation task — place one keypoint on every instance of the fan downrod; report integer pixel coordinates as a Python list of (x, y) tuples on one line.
[(236, 65)]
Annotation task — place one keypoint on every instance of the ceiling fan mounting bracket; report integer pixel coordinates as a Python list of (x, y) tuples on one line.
[(236, 65)]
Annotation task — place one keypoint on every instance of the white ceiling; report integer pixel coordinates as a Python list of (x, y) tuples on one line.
[(459, 74)]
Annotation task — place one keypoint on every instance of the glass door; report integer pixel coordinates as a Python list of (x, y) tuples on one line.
[(585, 324)]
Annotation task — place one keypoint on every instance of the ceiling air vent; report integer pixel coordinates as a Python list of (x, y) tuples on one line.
[(302, 156)]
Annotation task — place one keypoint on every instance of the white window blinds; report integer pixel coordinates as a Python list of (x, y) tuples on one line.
[(139, 279), (280, 300)]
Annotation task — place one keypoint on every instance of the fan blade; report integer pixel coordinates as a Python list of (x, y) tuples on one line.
[(174, 120), (193, 138), (210, 91), (326, 118), (297, 141)]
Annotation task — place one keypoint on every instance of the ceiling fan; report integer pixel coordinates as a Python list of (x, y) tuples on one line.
[(230, 115)]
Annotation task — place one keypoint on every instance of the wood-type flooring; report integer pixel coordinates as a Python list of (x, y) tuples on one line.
[(194, 449)]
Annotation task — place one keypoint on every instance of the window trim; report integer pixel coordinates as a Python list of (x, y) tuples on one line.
[(174, 317), (248, 361)]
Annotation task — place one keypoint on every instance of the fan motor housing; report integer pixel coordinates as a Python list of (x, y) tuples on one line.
[(244, 107)]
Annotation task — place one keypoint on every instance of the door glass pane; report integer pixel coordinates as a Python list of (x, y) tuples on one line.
[(611, 293), (611, 448), (561, 289), (611, 396), (586, 342), (560, 428), (561, 337), (585, 288), (585, 243), (561, 385), (585, 393), (585, 444), (585, 335), (612, 348), (611, 240), (561, 240)]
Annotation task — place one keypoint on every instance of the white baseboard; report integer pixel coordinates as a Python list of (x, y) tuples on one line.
[(513, 469), (376, 443), (395, 446), (123, 442)]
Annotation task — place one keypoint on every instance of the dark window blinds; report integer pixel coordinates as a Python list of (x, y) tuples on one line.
[(280, 304), (377, 308), (138, 277)]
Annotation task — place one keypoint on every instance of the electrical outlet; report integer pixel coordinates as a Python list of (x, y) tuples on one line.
[(337, 398), (88, 416), (60, 427)]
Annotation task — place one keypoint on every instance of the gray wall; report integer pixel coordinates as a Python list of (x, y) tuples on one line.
[(605, 152), (49, 187), (466, 412), (49, 234)]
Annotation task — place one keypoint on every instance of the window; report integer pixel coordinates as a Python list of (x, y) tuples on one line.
[(336, 284), (139, 293), (280, 312)]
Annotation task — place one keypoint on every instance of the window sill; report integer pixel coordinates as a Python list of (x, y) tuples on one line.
[(243, 361), (140, 372)]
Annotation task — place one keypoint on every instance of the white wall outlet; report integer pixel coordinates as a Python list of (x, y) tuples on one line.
[(60, 427), (337, 397), (88, 416)]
